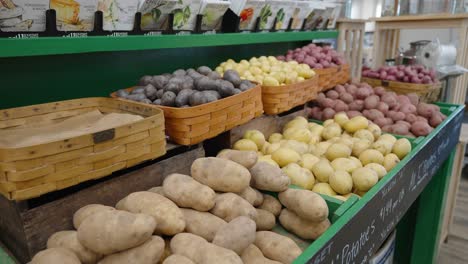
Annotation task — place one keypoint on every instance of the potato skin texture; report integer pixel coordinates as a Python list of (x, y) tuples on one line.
[(252, 196), (237, 235), (305, 203), (245, 158), (271, 204), (200, 251), (267, 177), (264, 220), (109, 232), (187, 192), (88, 210), (167, 215), (202, 224), (69, 240), (303, 228), (177, 259), (220, 174), (55, 256), (149, 252), (253, 255), (230, 205), (277, 247)]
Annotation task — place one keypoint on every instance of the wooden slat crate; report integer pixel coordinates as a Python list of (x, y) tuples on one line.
[(26, 225), (192, 125), (279, 99), (27, 172)]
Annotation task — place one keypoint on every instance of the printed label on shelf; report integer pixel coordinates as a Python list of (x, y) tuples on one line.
[(118, 14), (23, 15), (74, 15)]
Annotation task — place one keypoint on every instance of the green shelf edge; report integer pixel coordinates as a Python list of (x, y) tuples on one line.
[(17, 47)]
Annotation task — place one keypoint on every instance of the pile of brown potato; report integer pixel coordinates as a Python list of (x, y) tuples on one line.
[(216, 215)]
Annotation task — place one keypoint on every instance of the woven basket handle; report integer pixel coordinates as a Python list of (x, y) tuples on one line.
[(104, 136)]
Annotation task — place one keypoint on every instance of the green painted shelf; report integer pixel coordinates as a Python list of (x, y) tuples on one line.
[(16, 47)]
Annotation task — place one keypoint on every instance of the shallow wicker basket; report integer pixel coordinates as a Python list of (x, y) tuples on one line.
[(278, 99), (428, 93), (31, 171), (343, 75), (192, 125), (326, 78)]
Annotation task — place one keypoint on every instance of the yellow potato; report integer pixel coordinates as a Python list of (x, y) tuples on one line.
[(379, 169), (359, 193), (322, 170), (269, 149), (331, 131), (337, 151), (321, 148), (299, 176), (285, 156), (356, 161), (383, 146), (390, 161), (356, 123), (364, 134), (275, 138), (299, 134), (346, 141), (268, 159), (245, 144), (328, 122), (348, 195), (308, 161), (324, 188), (339, 197), (401, 148), (341, 118), (388, 137), (316, 130), (375, 130), (297, 122), (359, 146), (345, 164), (314, 139), (256, 136), (364, 179), (371, 156), (341, 182), (299, 147)]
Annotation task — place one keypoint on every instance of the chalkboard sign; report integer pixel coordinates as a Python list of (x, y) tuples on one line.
[(362, 236)]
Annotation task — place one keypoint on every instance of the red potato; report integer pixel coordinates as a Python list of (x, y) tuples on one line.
[(421, 118), (328, 103), (390, 114), (426, 110), (340, 88), (346, 97), (406, 79), (332, 94), (416, 79), (356, 105), (362, 93), (381, 122), (408, 108), (371, 102), (375, 114), (390, 99), (436, 119), (352, 89), (399, 129), (316, 113), (421, 128), (411, 118), (408, 125), (379, 90), (382, 107), (399, 116), (340, 106), (352, 114), (403, 99), (321, 96), (414, 98), (328, 113), (387, 128)]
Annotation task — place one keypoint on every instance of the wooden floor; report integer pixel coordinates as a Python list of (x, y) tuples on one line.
[(455, 251)]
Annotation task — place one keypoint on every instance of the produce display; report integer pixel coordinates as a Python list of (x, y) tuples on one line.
[(397, 114), (342, 156), (268, 70), (315, 56), (216, 215), (417, 74), (186, 88)]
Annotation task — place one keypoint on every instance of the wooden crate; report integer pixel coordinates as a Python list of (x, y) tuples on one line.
[(31, 171), (192, 125), (25, 226), (279, 99), (351, 42), (428, 93)]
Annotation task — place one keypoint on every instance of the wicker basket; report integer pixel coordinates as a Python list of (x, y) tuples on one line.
[(326, 78), (428, 93), (192, 125), (343, 75), (278, 99), (28, 172)]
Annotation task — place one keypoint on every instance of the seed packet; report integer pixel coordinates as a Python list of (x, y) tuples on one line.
[(213, 12), (74, 15), (301, 11), (23, 15), (282, 13), (252, 10), (155, 14), (118, 14)]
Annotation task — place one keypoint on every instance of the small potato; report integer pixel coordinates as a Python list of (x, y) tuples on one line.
[(371, 102), (328, 122), (341, 182), (271, 204), (364, 134), (305, 203), (382, 107), (297, 146), (202, 224), (252, 196), (177, 259), (88, 210), (297, 122), (356, 161), (267, 177), (269, 149), (277, 247), (328, 113), (253, 255), (321, 148), (69, 240), (356, 123), (375, 130), (245, 144), (356, 105), (390, 161), (421, 128), (303, 228), (308, 161), (237, 235), (256, 136), (337, 151), (388, 137), (379, 169), (148, 253), (244, 158), (371, 156), (265, 220), (332, 130), (109, 232), (275, 138), (158, 189), (364, 179), (267, 159), (322, 170), (383, 146), (285, 156), (401, 148), (341, 118), (299, 176), (360, 146), (186, 192), (230, 205), (399, 129), (425, 110), (55, 256), (346, 97), (345, 164), (323, 188), (317, 130), (220, 174)]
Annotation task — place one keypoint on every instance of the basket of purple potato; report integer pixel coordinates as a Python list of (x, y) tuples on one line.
[(398, 114)]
